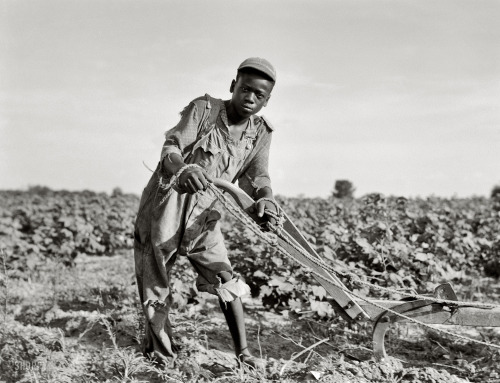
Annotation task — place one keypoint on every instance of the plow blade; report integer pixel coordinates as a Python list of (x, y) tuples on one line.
[(426, 311)]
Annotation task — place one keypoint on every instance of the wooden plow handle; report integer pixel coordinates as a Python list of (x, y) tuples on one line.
[(342, 302)]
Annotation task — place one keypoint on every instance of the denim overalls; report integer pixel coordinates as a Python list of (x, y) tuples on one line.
[(184, 224)]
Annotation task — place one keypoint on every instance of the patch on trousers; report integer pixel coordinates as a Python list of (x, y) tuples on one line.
[(229, 291)]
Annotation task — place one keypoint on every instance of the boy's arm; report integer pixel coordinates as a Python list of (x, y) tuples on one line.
[(181, 137), (256, 178), (265, 192), (177, 143)]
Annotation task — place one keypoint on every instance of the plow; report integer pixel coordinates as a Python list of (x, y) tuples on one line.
[(441, 307)]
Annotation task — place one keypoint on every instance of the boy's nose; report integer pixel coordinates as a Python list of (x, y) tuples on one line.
[(250, 98)]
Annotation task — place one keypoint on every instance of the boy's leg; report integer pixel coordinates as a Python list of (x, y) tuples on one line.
[(155, 295), (235, 318), (208, 255), (155, 245)]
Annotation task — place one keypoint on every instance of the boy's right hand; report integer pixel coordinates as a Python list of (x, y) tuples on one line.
[(193, 180)]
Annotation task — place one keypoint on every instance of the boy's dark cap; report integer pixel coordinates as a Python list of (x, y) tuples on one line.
[(260, 64)]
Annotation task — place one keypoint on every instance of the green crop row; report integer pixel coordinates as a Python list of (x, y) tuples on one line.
[(406, 244)]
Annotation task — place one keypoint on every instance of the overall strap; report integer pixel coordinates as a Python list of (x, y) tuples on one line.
[(213, 108)]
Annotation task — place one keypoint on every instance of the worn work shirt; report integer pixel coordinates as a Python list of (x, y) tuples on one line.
[(183, 224), (252, 173)]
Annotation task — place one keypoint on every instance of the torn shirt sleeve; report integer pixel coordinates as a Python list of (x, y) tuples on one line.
[(183, 134)]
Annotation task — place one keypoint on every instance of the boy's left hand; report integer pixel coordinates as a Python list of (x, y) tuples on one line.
[(265, 201), (261, 205)]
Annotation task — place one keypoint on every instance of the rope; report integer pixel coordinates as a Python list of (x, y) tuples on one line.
[(273, 241), (356, 280), (244, 218), (433, 299), (240, 215)]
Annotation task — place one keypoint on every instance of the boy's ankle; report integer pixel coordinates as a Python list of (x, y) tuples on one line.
[(243, 351)]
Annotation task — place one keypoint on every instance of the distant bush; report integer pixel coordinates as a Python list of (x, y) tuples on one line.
[(39, 190), (117, 191), (343, 189), (495, 193)]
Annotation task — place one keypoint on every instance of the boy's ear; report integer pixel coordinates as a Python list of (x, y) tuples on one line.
[(231, 88), (267, 100)]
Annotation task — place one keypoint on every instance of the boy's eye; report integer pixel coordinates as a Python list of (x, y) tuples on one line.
[(259, 96)]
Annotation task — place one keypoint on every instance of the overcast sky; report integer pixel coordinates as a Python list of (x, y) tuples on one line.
[(400, 97)]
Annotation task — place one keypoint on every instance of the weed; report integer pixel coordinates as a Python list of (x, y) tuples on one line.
[(5, 286)]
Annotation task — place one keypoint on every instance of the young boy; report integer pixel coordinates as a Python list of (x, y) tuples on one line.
[(214, 138)]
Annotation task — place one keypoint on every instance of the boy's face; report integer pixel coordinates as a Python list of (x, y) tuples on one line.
[(251, 93)]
